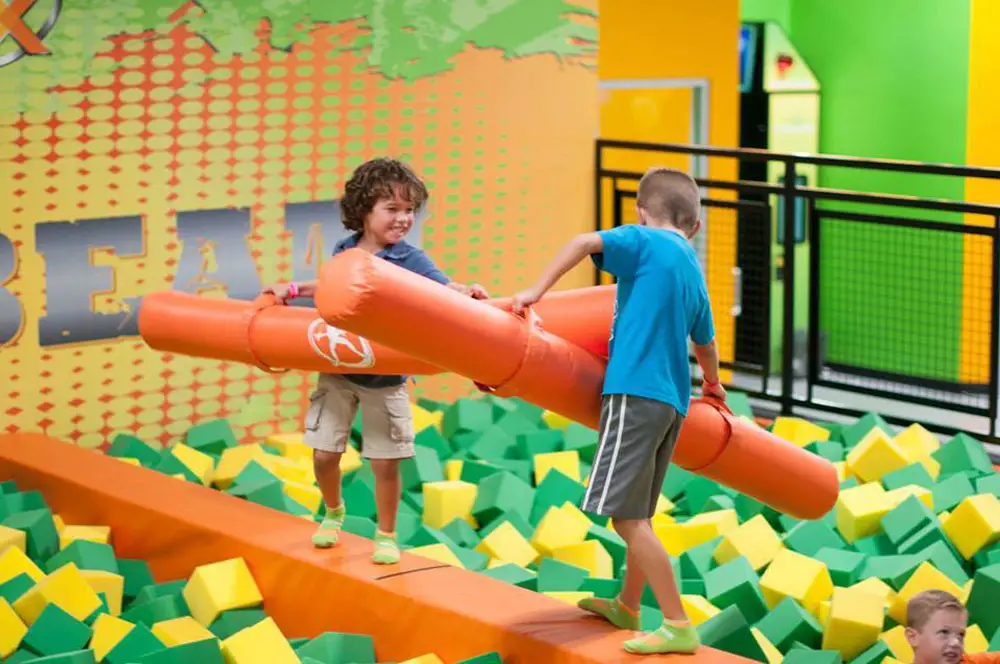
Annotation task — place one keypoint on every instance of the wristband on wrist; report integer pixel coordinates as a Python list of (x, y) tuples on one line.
[(293, 290)]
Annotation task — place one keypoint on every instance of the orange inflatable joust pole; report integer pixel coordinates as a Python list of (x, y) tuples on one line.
[(511, 355), (269, 336)]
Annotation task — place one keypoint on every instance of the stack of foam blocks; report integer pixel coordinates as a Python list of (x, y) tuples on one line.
[(66, 598), (495, 487)]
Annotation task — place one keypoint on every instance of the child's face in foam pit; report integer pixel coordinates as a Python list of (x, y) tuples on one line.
[(941, 640), (390, 220)]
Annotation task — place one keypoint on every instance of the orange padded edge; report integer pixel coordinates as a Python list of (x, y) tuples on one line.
[(416, 607)]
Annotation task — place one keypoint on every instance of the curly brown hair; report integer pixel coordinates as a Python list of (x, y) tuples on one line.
[(375, 180)]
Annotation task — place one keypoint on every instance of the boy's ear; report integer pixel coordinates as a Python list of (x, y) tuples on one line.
[(695, 229), (912, 636), (640, 215)]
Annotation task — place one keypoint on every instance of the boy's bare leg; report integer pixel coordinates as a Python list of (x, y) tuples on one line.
[(622, 611), (326, 465), (676, 634), (388, 492), (633, 583)]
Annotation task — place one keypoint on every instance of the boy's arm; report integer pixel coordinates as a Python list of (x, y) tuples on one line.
[(569, 256), (290, 291), (706, 351)]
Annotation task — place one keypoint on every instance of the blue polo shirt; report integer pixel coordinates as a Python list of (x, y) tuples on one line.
[(408, 257), (661, 301)]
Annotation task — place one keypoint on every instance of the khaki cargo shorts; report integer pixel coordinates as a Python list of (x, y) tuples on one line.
[(386, 418)]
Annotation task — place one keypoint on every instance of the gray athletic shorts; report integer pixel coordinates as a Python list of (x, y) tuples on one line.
[(635, 443)]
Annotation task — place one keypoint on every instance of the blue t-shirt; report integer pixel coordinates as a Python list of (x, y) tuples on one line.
[(661, 301), (408, 257)]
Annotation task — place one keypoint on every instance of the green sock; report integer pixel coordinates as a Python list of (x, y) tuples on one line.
[(611, 610), (329, 530), (670, 637), (386, 549)]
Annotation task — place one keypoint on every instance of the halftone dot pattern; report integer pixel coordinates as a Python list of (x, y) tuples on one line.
[(165, 124)]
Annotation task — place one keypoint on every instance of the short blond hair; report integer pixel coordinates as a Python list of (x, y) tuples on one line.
[(670, 195), (923, 605)]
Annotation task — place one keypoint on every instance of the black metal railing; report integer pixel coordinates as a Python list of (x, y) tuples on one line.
[(847, 300)]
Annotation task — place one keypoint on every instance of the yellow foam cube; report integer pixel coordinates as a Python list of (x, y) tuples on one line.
[(855, 623), (12, 537), (771, 653), (291, 446), (232, 462), (895, 639), (974, 524), (453, 470), (566, 462), (66, 588), (14, 561), (218, 587), (975, 640), (725, 521), (182, 630), (799, 431), (793, 575), (307, 495), (109, 583), (99, 534), (108, 632), (698, 609), (679, 537), (663, 505), (12, 629), (59, 523), (876, 455), (842, 474), (916, 442), (822, 613), (429, 658), (446, 501), (505, 543), (570, 597), (350, 460), (496, 562), (199, 463), (129, 460), (859, 511), (590, 555), (660, 520), (897, 496), (555, 421), (285, 469), (755, 540), (439, 552), (891, 660), (877, 587), (926, 577), (425, 419), (262, 642), (561, 526), (932, 466)]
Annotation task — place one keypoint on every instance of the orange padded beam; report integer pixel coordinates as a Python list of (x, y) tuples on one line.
[(412, 608)]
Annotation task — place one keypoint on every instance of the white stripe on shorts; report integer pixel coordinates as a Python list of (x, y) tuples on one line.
[(600, 450), (614, 453)]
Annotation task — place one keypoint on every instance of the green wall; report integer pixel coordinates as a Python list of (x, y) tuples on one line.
[(894, 76), (779, 11)]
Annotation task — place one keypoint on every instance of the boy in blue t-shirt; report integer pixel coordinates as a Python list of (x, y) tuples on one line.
[(661, 302)]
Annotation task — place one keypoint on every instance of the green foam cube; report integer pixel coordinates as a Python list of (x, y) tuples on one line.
[(914, 474), (206, 651), (875, 545), (736, 584), (493, 443), (475, 471), (138, 643), (162, 608), (611, 541), (804, 656), (808, 537), (86, 555), (555, 575), (788, 623), (907, 518), (582, 439), (75, 657), (340, 647), (359, 499), (14, 587), (361, 526), (24, 655), (514, 423), (989, 484), (510, 573), (852, 435), (466, 415), (700, 489), (211, 437), (136, 574), (739, 403), (127, 446), (874, 655), (606, 588), (675, 482), (55, 631), (461, 533), (830, 451), (233, 620), (697, 561), (541, 441), (424, 466), (983, 607), (729, 631), (502, 492), (40, 532), (486, 658), (22, 501), (432, 405), (431, 438), (845, 566), (554, 490), (948, 493), (893, 570), (963, 453)]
